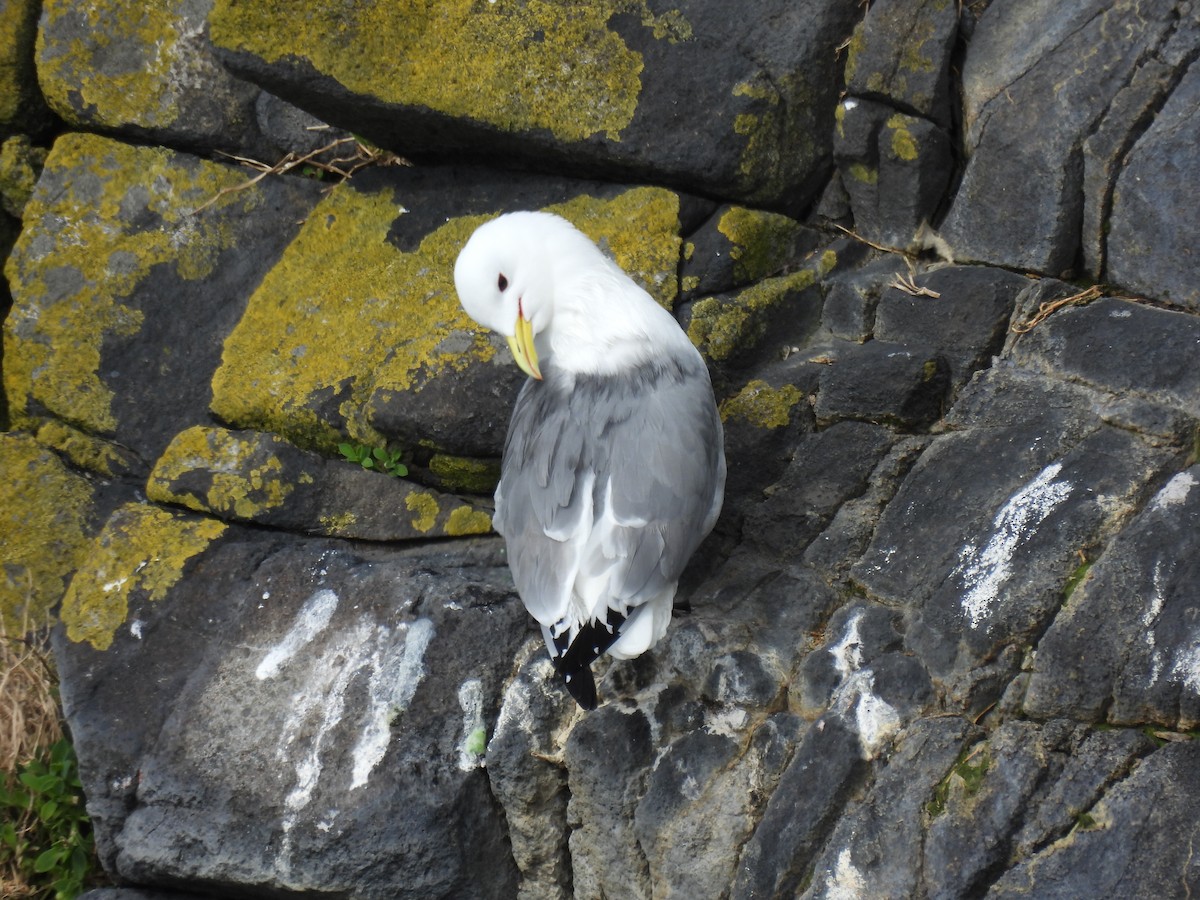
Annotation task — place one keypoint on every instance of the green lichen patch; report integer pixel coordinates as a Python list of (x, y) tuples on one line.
[(760, 242), (424, 508), (44, 530), (962, 782), (517, 66), (761, 405), (103, 215), (903, 144), (465, 520), (18, 27), (778, 129), (141, 552), (243, 478)]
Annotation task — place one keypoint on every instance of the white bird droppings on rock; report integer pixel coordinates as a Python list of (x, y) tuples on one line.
[(314, 615), (474, 733), (985, 571), (1174, 493)]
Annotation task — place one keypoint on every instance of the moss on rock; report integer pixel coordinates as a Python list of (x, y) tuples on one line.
[(520, 67), (460, 473), (761, 405), (44, 530), (109, 214), (760, 242), (721, 329), (87, 452), (20, 164)]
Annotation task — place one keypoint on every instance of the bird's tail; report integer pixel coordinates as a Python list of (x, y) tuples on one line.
[(573, 655)]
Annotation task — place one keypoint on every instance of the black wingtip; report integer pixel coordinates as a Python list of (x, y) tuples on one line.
[(574, 662)]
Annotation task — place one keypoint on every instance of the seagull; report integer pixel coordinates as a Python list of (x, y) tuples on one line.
[(614, 465)]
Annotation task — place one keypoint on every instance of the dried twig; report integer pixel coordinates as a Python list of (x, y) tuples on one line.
[(1050, 307), (907, 284), (343, 166)]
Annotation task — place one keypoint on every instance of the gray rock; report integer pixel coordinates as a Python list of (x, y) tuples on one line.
[(901, 56), (1123, 648), (905, 385), (1136, 841), (1149, 249), (895, 168), (1030, 63), (989, 523), (308, 715), (875, 851), (966, 321), (755, 126)]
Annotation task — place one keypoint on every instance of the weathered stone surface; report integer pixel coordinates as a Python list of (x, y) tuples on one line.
[(21, 105), (1123, 647), (895, 168), (876, 849), (966, 321), (949, 655), (1130, 844), (900, 55), (123, 292), (1149, 249), (1032, 68), (990, 522), (755, 126), (317, 664), (261, 478), (739, 246), (145, 72), (905, 385)]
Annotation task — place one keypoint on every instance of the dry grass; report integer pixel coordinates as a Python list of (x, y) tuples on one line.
[(30, 721), (1047, 309), (29, 713)]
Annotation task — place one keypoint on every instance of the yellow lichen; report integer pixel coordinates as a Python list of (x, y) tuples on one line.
[(465, 520), (18, 24), (85, 451), (863, 173), (139, 63), (425, 509), (762, 405), (460, 473), (722, 328), (518, 66), (904, 146), (245, 477), (72, 270), (142, 549), (338, 524), (345, 316), (640, 229), (760, 241), (44, 511)]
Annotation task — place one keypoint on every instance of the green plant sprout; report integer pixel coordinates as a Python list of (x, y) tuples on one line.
[(379, 458), (45, 831)]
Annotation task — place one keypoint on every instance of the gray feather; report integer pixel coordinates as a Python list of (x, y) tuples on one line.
[(652, 437)]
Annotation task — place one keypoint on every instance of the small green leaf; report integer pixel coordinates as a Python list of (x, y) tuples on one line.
[(368, 463), (48, 859), (47, 811), (401, 470)]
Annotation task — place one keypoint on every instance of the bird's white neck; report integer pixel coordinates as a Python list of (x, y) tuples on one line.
[(605, 323)]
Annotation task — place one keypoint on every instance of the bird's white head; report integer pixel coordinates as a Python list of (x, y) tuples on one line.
[(505, 277)]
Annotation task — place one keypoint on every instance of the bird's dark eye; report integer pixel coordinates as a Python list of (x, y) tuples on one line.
[(502, 283)]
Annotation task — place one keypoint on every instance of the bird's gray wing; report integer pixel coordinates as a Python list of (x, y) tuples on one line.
[(608, 484)]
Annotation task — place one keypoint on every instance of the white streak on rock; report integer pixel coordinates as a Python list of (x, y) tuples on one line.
[(1149, 617), (395, 673), (470, 698), (314, 615), (985, 571), (1174, 492), (875, 720), (846, 882), (1187, 666)]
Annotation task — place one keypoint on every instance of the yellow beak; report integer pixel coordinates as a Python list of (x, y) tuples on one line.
[(523, 351)]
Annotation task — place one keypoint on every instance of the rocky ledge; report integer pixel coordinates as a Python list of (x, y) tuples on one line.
[(940, 259)]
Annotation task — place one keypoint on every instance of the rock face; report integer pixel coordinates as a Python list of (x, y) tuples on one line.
[(943, 640)]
